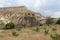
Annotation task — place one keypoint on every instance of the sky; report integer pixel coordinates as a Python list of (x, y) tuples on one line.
[(45, 7)]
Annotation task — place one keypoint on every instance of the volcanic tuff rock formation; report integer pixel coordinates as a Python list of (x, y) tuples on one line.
[(20, 15)]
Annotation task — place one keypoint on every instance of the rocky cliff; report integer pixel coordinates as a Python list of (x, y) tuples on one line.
[(19, 15)]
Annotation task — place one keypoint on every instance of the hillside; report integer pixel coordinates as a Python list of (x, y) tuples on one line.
[(17, 15)]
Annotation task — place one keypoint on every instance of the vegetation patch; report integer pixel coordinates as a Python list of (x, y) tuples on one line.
[(49, 21), (46, 32), (36, 29), (55, 37), (54, 29), (19, 29), (58, 21), (14, 33), (9, 26)]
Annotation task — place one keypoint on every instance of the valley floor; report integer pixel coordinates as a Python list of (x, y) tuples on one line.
[(34, 33)]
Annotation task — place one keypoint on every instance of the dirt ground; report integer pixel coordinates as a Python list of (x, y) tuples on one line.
[(29, 33)]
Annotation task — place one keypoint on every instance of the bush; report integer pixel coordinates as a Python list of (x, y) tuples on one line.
[(46, 32), (58, 21), (19, 29), (36, 29), (55, 37), (49, 21), (9, 26), (54, 29), (40, 24), (15, 33)]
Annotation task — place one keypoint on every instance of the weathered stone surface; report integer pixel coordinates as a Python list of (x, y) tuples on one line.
[(17, 15)]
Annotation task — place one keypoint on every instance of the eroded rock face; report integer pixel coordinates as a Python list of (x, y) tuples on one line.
[(17, 15)]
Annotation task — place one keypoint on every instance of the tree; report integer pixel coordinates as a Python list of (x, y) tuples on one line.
[(58, 21), (49, 20)]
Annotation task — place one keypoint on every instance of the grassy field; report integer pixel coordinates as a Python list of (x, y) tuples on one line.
[(44, 32)]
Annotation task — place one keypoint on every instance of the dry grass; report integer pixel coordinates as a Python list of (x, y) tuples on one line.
[(30, 33)]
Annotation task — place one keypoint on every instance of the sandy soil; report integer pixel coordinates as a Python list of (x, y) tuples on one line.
[(28, 34)]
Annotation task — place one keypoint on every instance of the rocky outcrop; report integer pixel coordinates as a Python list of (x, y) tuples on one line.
[(20, 15)]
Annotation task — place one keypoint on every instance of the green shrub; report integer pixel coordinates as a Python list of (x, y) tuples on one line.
[(19, 29), (54, 29), (58, 21), (46, 32), (36, 29), (49, 21), (55, 37), (14, 33), (9, 26)]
